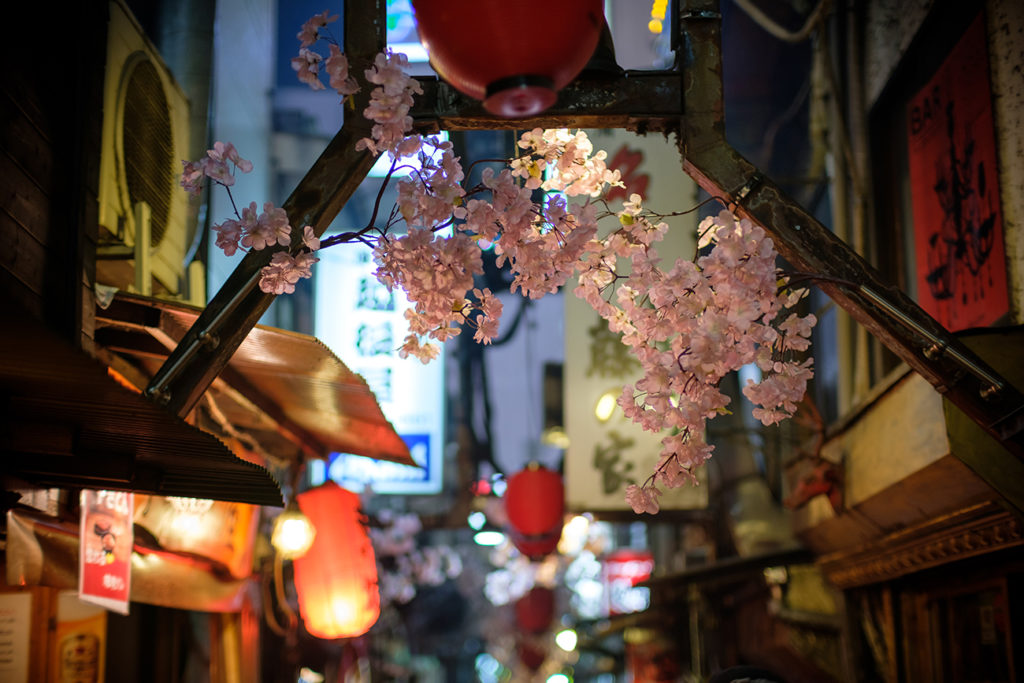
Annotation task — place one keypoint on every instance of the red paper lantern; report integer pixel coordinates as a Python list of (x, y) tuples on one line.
[(514, 56), (536, 547), (336, 580), (535, 504), (531, 655), (535, 609)]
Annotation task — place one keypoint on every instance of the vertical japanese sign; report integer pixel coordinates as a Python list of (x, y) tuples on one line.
[(607, 451), (105, 549), (958, 231), (365, 325)]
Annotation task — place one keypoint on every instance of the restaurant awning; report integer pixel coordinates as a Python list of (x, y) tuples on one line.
[(286, 391), (66, 423)]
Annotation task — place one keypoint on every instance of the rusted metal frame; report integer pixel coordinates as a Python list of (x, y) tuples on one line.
[(886, 312), (635, 100), (207, 347)]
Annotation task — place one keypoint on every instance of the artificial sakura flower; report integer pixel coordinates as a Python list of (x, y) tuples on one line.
[(284, 271), (269, 228), (489, 317), (336, 66), (225, 151), (310, 32), (390, 102), (643, 499), (214, 166), (228, 234), (307, 67), (687, 323), (309, 238), (192, 177)]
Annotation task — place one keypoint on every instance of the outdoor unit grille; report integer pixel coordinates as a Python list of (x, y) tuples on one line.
[(148, 146), (145, 137)]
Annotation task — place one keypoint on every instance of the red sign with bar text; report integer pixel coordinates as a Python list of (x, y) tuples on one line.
[(958, 230), (105, 549)]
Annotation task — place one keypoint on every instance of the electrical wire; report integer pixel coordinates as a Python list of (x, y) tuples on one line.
[(784, 34)]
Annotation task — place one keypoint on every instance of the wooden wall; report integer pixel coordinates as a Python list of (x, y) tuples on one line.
[(51, 98)]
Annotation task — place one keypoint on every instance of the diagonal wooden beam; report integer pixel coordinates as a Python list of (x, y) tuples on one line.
[(207, 347), (888, 314)]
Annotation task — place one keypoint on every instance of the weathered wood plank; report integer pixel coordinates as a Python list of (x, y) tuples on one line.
[(23, 142), (25, 203), (22, 256)]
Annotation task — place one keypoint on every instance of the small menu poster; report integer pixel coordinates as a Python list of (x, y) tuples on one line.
[(105, 549), (15, 626)]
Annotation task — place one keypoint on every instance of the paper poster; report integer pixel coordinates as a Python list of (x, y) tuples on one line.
[(15, 626), (80, 639), (105, 549), (958, 231)]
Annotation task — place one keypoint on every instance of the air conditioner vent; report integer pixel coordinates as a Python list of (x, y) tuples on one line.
[(149, 146)]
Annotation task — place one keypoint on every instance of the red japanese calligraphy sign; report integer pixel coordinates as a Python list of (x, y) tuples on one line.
[(958, 231), (105, 549)]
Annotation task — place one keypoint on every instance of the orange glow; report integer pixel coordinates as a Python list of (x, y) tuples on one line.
[(336, 580)]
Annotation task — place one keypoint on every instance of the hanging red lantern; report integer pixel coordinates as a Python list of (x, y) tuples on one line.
[(535, 609), (336, 580), (535, 504), (515, 56), (538, 546), (532, 655)]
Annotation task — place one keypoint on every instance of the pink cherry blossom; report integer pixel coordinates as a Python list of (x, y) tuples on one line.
[(225, 151), (336, 66), (284, 271), (192, 177), (228, 234), (270, 227), (390, 102), (307, 67), (310, 30), (309, 238), (643, 499), (688, 323)]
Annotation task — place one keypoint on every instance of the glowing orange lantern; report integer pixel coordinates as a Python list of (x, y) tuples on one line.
[(535, 504), (336, 580), (514, 56)]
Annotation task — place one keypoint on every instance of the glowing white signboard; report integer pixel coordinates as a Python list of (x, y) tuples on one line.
[(364, 324)]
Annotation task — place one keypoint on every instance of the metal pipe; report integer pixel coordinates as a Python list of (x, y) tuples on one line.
[(939, 346)]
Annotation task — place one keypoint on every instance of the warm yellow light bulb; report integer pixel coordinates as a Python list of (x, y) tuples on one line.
[(654, 26), (293, 534), (605, 406)]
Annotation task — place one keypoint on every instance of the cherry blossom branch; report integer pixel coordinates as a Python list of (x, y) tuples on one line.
[(688, 323)]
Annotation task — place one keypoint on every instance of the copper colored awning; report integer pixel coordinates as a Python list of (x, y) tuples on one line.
[(286, 390), (66, 423)]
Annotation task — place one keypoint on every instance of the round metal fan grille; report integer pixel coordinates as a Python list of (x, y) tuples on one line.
[(148, 146)]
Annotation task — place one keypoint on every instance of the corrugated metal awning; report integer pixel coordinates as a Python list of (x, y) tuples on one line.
[(66, 423), (284, 389)]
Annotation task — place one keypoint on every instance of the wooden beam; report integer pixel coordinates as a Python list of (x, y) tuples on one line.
[(207, 347), (645, 101)]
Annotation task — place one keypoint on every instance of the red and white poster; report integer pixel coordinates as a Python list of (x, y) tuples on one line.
[(958, 230), (105, 549)]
